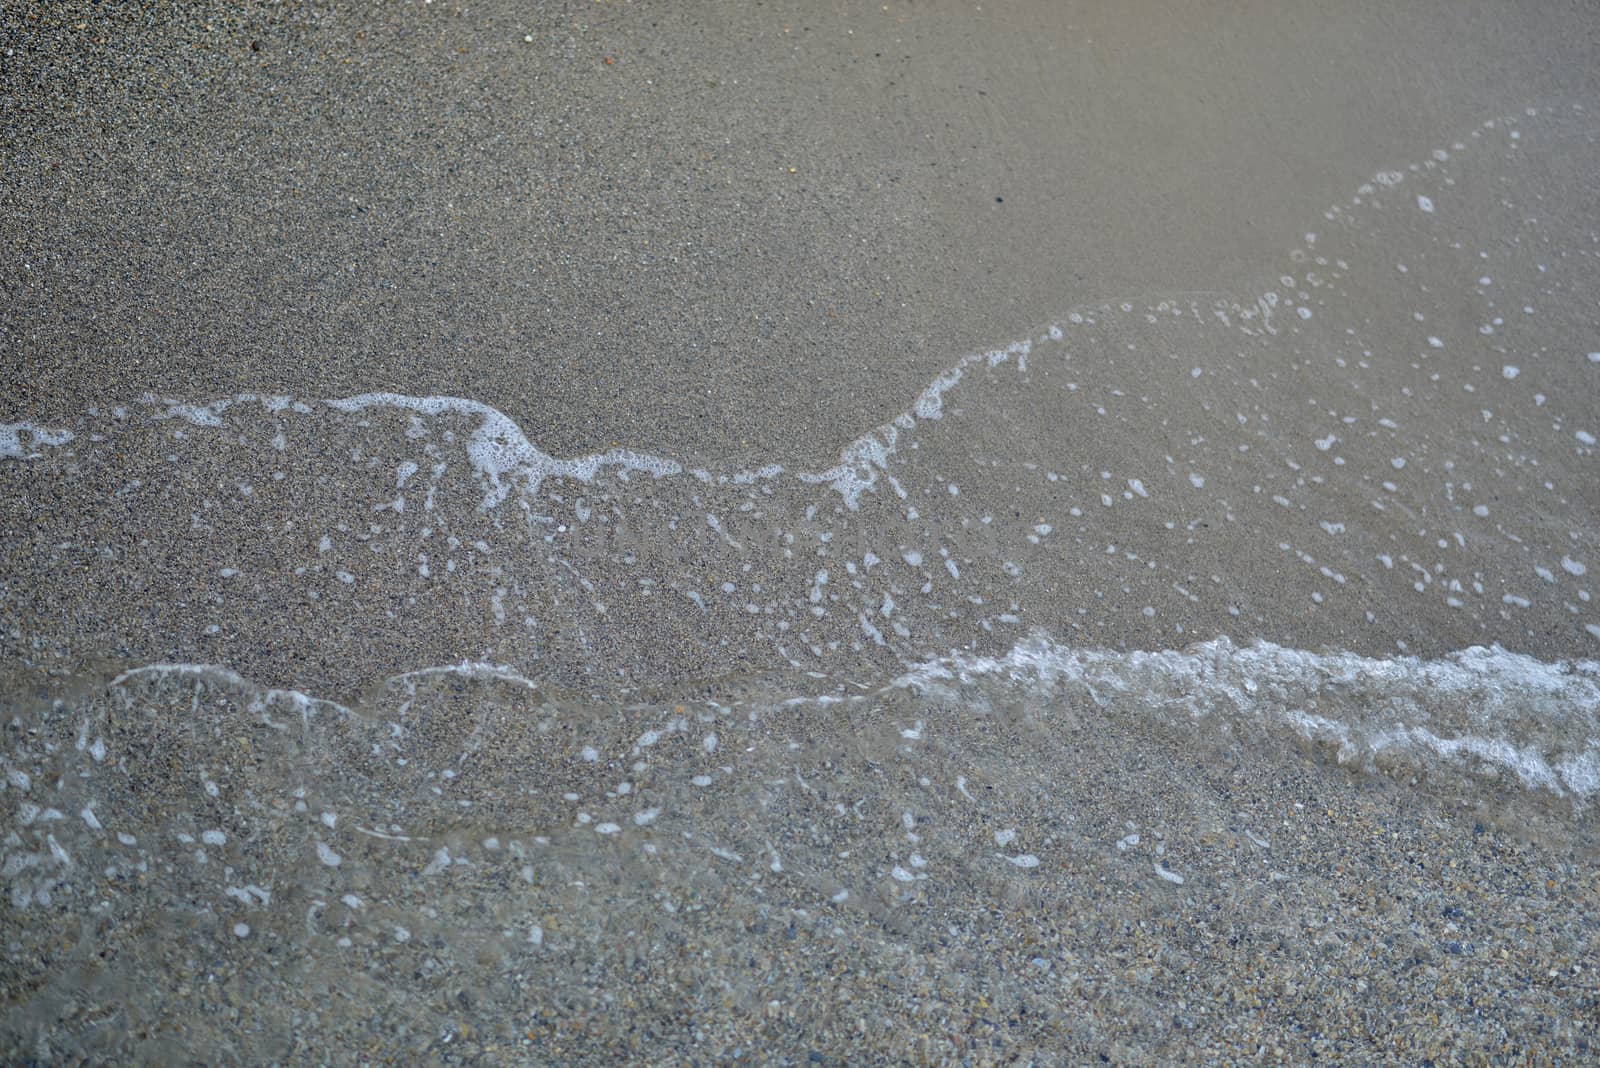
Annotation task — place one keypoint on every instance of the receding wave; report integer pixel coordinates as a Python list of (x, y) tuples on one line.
[(1478, 709)]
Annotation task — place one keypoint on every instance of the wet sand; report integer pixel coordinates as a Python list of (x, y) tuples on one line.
[(717, 232), (474, 871), (902, 533)]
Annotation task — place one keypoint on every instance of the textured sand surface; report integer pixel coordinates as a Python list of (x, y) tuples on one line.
[(718, 230), (893, 533)]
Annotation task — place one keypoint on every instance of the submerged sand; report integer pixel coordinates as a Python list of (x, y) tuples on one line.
[(902, 533)]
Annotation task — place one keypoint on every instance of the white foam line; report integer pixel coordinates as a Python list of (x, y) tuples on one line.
[(12, 446), (387, 837), (469, 670), (502, 454), (504, 457), (862, 459), (210, 414), (303, 701), (1486, 687), (297, 700)]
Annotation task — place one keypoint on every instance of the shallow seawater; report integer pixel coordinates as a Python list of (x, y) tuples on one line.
[(1182, 636)]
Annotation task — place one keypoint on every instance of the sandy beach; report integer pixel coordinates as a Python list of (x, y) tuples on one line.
[(919, 533), (720, 231)]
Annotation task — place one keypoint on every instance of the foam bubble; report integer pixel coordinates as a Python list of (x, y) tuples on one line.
[(1545, 716), (14, 447), (501, 453)]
